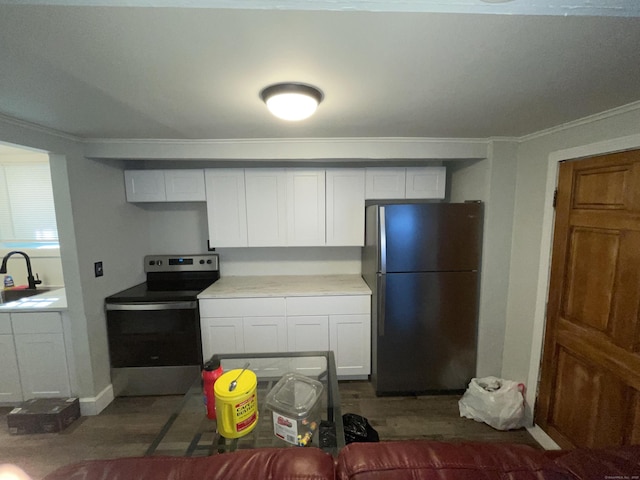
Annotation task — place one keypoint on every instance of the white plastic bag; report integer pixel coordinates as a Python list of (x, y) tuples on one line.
[(494, 401)]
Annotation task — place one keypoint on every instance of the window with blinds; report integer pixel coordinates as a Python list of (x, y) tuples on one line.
[(27, 213)]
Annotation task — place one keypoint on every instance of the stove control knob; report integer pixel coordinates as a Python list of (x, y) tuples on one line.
[(159, 262), (201, 262), (152, 262), (209, 262)]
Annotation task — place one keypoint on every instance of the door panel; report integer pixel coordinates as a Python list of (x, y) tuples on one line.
[(584, 390), (427, 339), (590, 380), (428, 237), (587, 296)]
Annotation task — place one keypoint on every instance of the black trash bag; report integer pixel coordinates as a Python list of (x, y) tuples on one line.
[(358, 429), (327, 434)]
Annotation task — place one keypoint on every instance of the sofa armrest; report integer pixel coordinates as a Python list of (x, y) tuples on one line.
[(609, 463)]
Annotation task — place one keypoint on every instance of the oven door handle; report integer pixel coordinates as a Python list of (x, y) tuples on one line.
[(152, 306)]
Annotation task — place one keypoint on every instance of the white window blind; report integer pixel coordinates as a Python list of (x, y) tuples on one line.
[(27, 212)]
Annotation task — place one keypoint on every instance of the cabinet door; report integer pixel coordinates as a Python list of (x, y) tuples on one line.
[(221, 335), (42, 363), (145, 185), (185, 185), (10, 389), (305, 207), (350, 340), (345, 206), (425, 182), (308, 333), (266, 207), (385, 182), (265, 334), (226, 207)]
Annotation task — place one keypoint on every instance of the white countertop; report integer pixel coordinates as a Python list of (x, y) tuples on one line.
[(286, 286), (51, 301)]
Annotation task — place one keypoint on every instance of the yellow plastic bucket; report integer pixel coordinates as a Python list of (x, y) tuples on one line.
[(237, 411)]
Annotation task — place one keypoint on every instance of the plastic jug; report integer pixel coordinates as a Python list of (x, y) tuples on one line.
[(237, 410)]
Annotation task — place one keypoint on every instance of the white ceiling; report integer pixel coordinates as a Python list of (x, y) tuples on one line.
[(195, 71)]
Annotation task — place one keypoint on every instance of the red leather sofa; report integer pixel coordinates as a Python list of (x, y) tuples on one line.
[(410, 460)]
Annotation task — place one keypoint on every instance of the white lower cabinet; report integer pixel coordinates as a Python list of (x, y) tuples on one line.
[(221, 335), (43, 365), (265, 334), (10, 388), (350, 340), (308, 332), (347, 332), (33, 356), (239, 325), (294, 324)]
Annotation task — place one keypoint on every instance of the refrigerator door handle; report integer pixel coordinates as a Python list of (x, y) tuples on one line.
[(383, 241), (382, 288)]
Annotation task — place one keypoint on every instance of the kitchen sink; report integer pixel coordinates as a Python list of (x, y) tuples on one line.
[(7, 296)]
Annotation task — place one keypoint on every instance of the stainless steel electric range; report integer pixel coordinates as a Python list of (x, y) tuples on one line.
[(155, 345)]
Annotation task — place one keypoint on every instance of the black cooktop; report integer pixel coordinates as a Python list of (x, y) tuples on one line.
[(171, 279), (142, 293)]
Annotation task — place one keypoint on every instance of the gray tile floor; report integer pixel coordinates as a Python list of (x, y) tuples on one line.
[(129, 425)]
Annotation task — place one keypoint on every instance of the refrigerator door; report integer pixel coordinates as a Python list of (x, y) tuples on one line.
[(430, 237), (425, 333)]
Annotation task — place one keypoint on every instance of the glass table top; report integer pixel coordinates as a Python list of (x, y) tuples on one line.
[(188, 431)]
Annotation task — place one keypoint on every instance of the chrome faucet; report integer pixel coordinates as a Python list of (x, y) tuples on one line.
[(32, 281)]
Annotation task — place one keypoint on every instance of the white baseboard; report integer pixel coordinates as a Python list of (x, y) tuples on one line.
[(94, 405), (542, 438)]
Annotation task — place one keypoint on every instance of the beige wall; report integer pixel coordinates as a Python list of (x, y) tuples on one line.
[(527, 281)]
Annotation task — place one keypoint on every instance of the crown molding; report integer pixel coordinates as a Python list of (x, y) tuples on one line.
[(38, 128), (618, 8), (629, 107)]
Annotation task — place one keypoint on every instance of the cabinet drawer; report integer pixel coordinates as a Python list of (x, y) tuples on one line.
[(43, 322), (5, 324), (242, 307), (329, 305)]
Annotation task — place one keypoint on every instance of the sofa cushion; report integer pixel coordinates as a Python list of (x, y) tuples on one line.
[(268, 463), (426, 460)]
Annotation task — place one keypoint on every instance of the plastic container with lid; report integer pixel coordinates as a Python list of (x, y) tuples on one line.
[(295, 404)]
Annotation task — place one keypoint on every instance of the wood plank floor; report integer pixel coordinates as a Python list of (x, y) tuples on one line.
[(129, 425)]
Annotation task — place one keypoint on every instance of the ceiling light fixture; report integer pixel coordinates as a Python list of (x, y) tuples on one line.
[(291, 101)]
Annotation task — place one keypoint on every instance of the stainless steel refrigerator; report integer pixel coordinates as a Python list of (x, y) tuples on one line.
[(422, 263)]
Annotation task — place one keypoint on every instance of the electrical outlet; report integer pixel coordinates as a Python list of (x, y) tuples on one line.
[(97, 268)]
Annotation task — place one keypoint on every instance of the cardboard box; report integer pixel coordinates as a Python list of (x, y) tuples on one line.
[(43, 415)]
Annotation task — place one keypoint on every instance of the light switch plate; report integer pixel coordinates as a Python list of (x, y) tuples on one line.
[(97, 268)]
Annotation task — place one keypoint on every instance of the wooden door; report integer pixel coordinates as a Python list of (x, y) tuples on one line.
[(590, 381)]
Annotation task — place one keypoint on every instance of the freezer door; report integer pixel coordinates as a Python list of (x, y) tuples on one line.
[(430, 237), (426, 332)]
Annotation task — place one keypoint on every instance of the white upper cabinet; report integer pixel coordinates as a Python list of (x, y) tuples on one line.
[(184, 185), (400, 183), (181, 185), (385, 182), (226, 207), (145, 185), (305, 207), (266, 191), (345, 206), (425, 182)]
